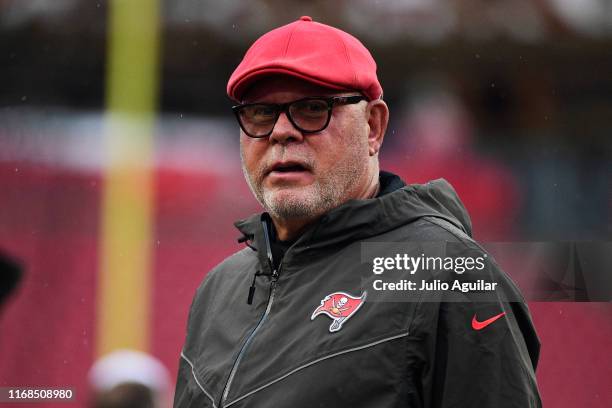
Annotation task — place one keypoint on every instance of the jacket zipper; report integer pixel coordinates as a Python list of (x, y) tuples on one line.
[(241, 353), (248, 340)]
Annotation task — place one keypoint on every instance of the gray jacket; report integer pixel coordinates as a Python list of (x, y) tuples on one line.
[(286, 348)]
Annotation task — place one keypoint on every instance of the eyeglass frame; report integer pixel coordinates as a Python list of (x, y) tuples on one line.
[(284, 108)]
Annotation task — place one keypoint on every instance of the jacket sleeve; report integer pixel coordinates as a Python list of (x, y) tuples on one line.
[(182, 395), (463, 362), (186, 393), (182, 392), (489, 367), (453, 362)]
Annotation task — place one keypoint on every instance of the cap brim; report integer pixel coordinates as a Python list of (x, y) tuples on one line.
[(243, 84)]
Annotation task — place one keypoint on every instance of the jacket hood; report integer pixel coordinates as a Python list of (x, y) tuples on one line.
[(361, 219)]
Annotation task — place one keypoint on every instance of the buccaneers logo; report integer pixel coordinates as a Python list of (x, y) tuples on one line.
[(339, 306)]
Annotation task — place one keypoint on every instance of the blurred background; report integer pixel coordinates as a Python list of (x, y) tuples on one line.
[(120, 175)]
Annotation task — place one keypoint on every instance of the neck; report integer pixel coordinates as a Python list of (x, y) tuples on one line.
[(288, 229)]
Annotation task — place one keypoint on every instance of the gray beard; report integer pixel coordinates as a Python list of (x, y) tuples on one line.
[(296, 208), (324, 196)]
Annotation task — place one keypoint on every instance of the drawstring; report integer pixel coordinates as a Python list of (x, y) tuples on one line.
[(274, 273), (245, 238), (252, 288)]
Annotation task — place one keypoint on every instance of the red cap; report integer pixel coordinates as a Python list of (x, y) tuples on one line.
[(310, 51)]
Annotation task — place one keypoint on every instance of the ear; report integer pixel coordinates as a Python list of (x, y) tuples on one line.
[(378, 119)]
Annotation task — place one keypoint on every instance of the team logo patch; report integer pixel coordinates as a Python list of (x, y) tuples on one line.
[(339, 306)]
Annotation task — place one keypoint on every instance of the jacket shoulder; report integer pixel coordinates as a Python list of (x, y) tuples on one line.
[(230, 273), (235, 263), (219, 284), (436, 229), (234, 267)]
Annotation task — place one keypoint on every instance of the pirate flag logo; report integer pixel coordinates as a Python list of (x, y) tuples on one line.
[(339, 306)]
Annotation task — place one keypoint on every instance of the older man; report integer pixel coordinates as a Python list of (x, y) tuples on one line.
[(285, 321)]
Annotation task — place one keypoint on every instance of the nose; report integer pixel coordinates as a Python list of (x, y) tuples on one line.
[(284, 131)]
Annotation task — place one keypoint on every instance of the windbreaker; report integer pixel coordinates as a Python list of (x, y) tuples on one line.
[(311, 338)]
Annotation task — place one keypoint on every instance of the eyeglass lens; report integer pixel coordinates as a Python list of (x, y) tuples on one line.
[(309, 115)]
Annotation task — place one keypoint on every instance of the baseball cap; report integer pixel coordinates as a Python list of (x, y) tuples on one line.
[(311, 51)]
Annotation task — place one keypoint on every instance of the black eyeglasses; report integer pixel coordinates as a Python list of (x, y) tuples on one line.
[(308, 115)]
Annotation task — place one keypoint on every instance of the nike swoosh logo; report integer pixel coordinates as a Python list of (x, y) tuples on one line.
[(476, 325)]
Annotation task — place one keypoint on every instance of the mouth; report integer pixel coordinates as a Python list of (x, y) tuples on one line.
[(288, 167), (290, 173)]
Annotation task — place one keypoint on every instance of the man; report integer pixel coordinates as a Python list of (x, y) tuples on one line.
[(259, 333)]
